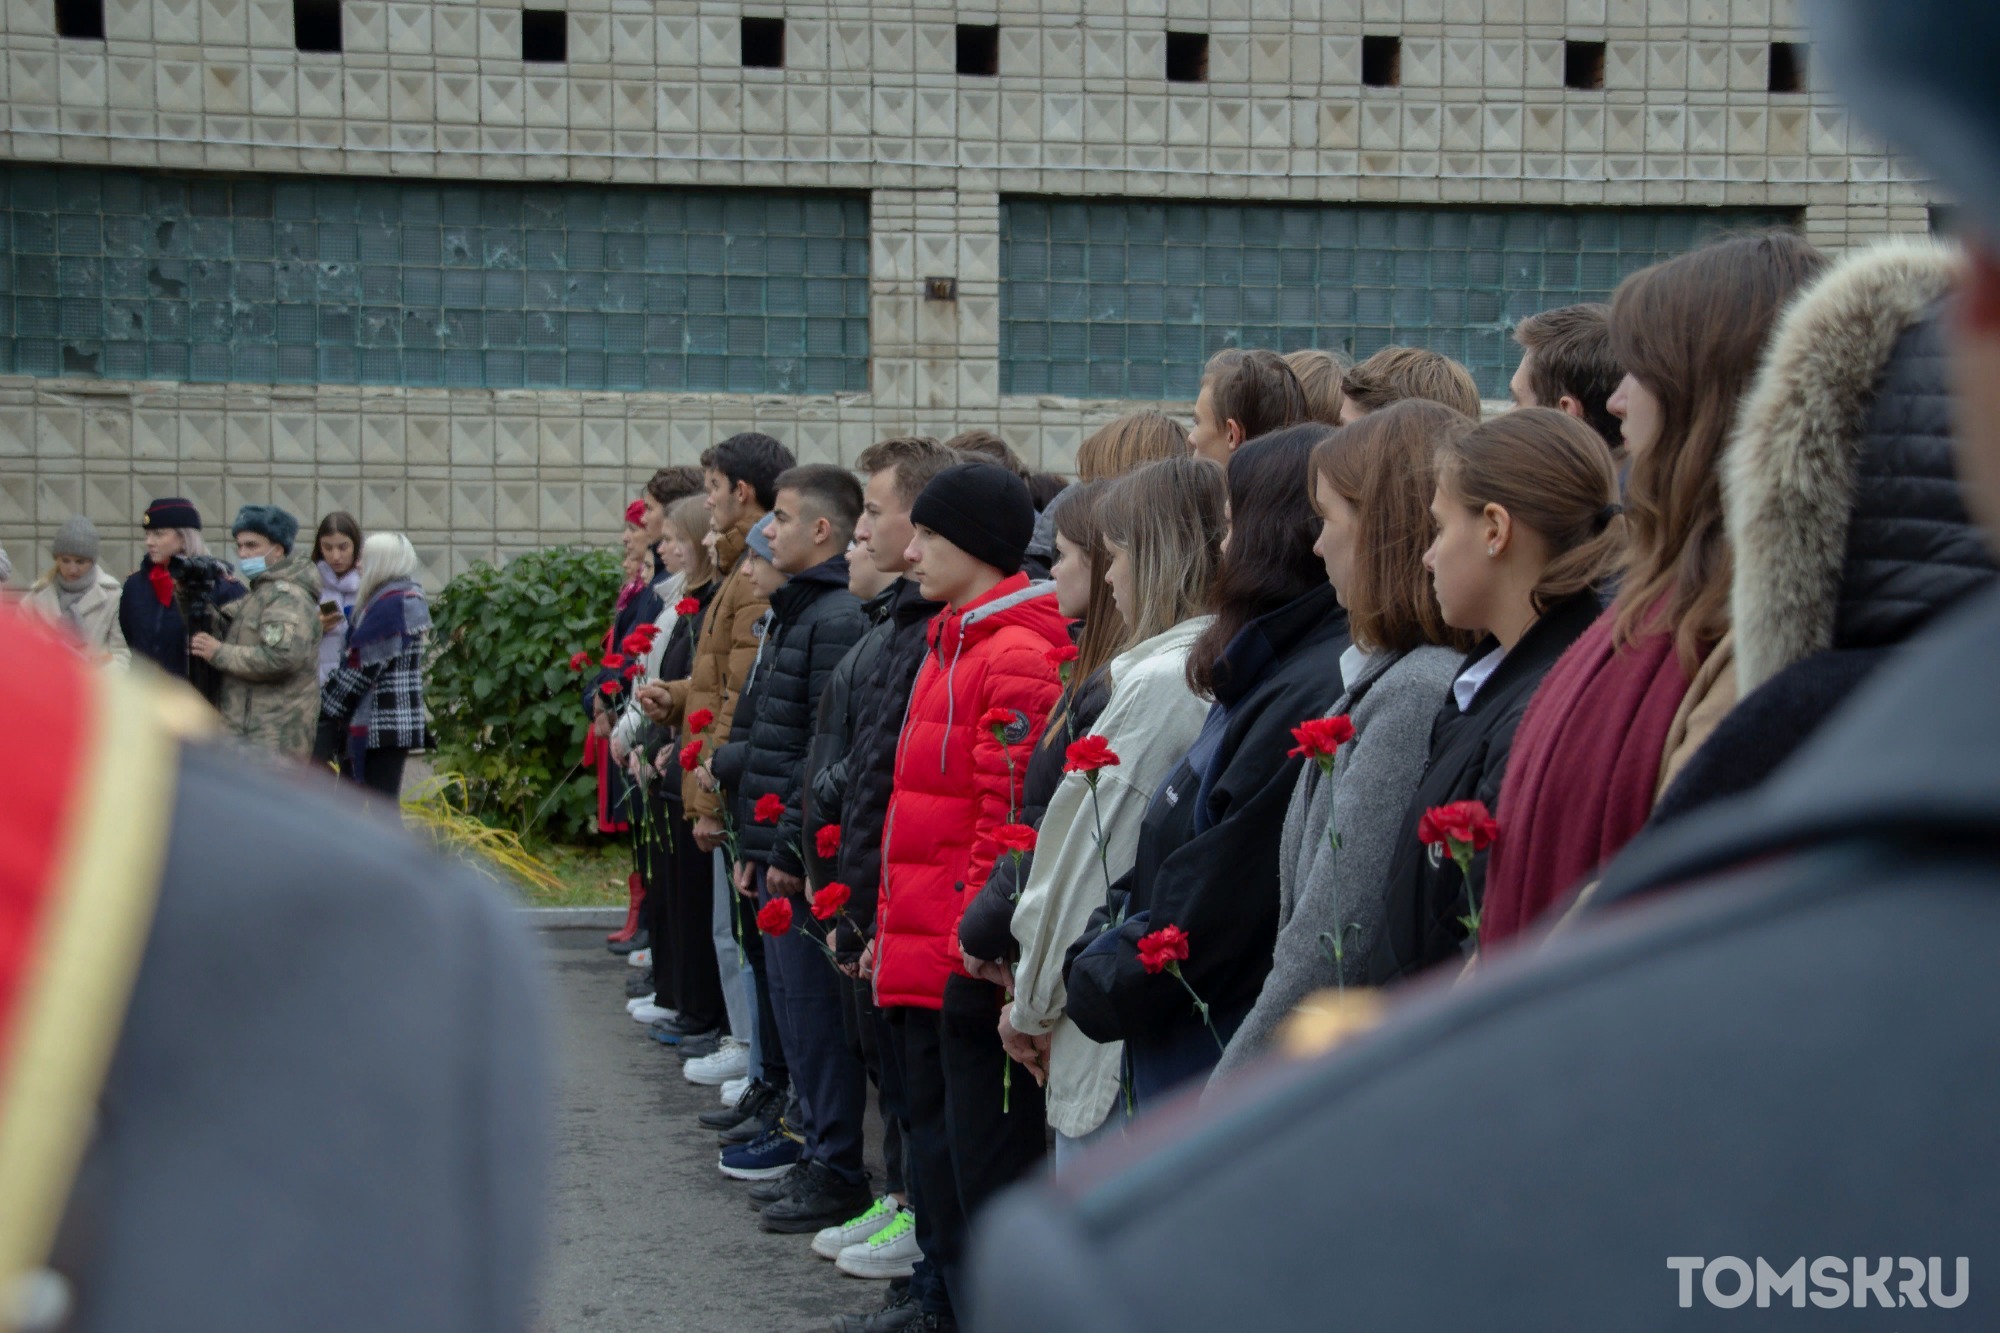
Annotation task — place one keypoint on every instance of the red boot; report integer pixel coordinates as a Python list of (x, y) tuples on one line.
[(636, 894)]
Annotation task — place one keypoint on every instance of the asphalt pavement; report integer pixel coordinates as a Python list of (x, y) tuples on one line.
[(647, 1236)]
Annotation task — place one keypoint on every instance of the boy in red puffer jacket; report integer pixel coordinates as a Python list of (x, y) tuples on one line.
[(956, 783)]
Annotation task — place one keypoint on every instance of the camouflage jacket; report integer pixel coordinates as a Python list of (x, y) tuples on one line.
[(269, 659)]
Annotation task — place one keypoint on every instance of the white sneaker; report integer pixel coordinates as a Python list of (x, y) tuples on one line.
[(733, 1090), (631, 1006), (650, 1013), (890, 1253), (639, 958), (730, 1060), (829, 1243)]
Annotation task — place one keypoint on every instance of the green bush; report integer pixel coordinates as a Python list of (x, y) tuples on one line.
[(507, 710)]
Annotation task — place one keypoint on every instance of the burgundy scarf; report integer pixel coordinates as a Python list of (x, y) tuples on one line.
[(1583, 772)]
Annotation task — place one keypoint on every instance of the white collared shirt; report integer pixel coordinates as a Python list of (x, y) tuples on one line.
[(1466, 688)]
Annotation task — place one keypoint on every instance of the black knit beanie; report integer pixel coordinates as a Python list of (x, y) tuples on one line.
[(982, 509)]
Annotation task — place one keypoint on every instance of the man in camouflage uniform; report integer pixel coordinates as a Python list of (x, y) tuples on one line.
[(269, 659)]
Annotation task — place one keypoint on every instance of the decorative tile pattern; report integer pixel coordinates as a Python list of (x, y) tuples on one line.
[(1122, 300), (132, 276)]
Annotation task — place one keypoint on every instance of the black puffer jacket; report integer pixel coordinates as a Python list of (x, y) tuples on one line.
[(876, 705), (814, 621), (1844, 508), (1208, 854), (833, 736), (986, 929)]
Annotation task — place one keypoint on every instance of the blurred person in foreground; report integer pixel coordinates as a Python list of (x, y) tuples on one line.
[(1771, 1051), (200, 1133)]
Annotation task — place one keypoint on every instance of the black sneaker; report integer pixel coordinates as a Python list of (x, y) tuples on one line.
[(768, 1192), (930, 1321), (633, 945), (822, 1199), (747, 1107), (693, 1048), (899, 1311), (769, 1116), (641, 984)]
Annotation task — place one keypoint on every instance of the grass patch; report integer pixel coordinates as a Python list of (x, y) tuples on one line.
[(545, 875), (587, 876)]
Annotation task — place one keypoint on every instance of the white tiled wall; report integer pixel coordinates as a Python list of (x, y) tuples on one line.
[(869, 99)]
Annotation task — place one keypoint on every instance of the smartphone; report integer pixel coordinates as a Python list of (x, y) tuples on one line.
[(329, 608)]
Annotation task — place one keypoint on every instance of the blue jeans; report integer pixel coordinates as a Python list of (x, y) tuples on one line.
[(1068, 1149), (738, 993)]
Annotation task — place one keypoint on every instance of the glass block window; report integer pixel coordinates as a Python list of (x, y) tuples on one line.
[(298, 280), (1128, 300)]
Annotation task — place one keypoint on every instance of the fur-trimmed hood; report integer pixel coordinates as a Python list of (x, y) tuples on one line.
[(1839, 490)]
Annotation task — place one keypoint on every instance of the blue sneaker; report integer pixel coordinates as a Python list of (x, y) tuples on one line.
[(761, 1159)]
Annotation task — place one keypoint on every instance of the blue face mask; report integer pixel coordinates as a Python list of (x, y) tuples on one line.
[(250, 566)]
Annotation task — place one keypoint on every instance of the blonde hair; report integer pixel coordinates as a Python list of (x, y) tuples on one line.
[(1320, 374), (1396, 374), (1132, 441), (690, 517), (385, 557), (1167, 518)]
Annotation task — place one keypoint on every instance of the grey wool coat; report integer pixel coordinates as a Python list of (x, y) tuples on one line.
[(1323, 891)]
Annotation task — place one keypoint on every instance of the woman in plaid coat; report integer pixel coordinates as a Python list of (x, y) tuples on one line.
[(372, 706)]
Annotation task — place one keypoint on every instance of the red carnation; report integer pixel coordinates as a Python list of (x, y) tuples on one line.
[(768, 808), (1062, 656), (1088, 755), (640, 641), (827, 840), (690, 756), (1015, 838), (611, 687), (830, 900), (775, 917), (686, 606), (579, 662), (698, 721), (632, 672), (1163, 949), (997, 720), (1462, 823), (613, 662), (1319, 738)]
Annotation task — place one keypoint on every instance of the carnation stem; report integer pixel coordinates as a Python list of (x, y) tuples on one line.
[(1200, 1005)]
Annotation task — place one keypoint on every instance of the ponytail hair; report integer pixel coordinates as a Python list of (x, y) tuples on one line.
[(1553, 475)]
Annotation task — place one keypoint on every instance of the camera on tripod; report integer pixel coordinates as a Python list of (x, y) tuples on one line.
[(196, 579)]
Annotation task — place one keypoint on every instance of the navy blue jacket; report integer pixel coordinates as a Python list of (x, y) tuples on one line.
[(155, 631)]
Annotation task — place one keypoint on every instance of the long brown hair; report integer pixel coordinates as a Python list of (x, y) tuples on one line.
[(1385, 465), (1104, 633), (342, 523), (1132, 441), (690, 516), (1270, 561), (1554, 476), (1168, 519), (1692, 331)]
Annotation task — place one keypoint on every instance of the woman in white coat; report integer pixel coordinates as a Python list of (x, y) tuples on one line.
[(1163, 527), (79, 595)]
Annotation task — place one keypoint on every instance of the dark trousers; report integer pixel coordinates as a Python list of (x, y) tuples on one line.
[(860, 1021), (995, 1114), (831, 1084), (381, 771), (927, 1156), (770, 1041), (680, 910)]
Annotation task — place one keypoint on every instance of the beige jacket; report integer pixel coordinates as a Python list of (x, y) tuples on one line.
[(94, 619), (1710, 696), (1151, 720)]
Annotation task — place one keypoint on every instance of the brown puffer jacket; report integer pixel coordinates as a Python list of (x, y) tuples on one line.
[(722, 658)]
